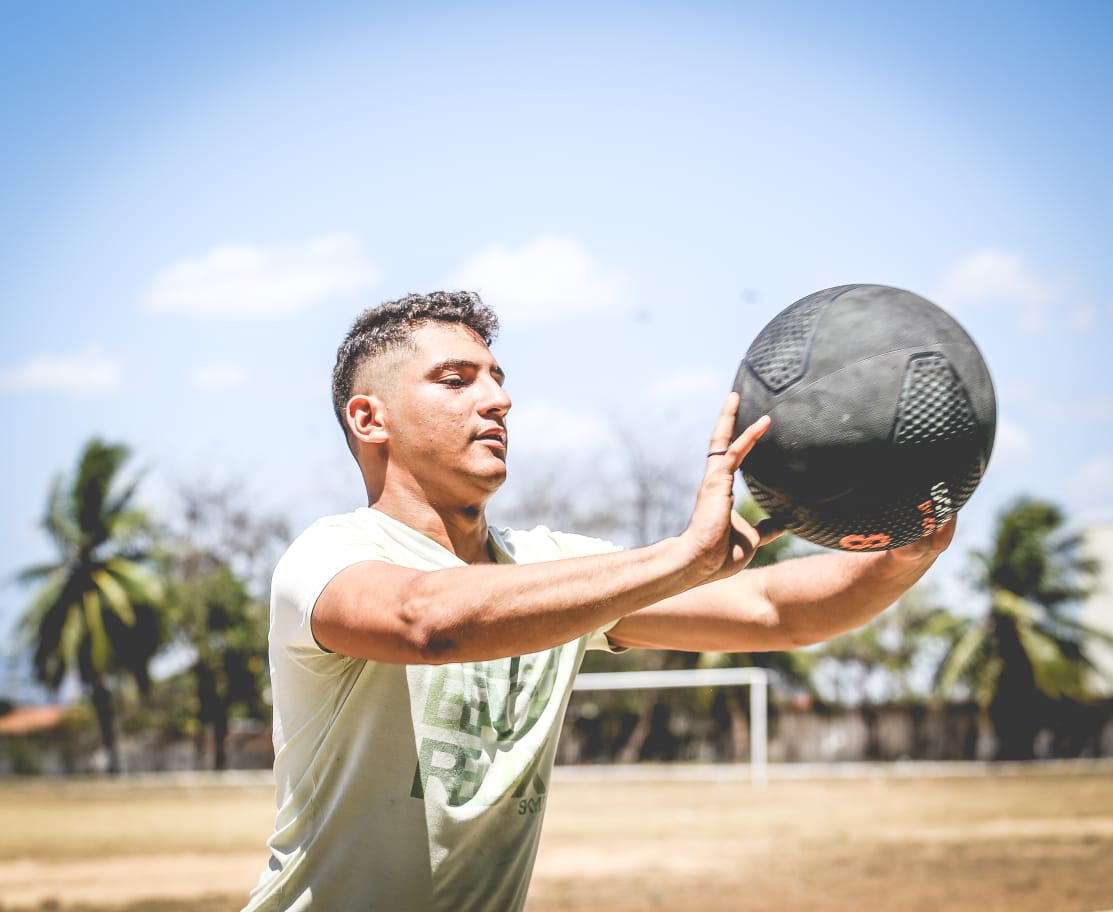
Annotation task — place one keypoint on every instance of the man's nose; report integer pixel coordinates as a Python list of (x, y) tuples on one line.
[(495, 397)]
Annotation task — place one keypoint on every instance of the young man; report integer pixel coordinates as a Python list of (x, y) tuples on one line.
[(421, 661)]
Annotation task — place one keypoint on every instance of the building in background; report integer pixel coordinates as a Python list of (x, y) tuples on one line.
[(1097, 611)]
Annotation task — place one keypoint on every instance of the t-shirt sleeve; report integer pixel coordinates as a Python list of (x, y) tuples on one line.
[(307, 567)]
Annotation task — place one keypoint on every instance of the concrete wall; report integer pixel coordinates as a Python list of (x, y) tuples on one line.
[(1098, 610), (796, 735)]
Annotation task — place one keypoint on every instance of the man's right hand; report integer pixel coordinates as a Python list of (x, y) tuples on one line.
[(721, 540)]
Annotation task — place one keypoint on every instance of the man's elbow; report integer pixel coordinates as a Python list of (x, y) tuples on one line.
[(410, 634), (432, 645), (783, 629), (429, 636), (801, 639)]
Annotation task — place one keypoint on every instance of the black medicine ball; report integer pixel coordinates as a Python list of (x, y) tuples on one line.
[(883, 417)]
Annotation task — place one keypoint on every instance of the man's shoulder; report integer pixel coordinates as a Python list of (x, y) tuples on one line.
[(360, 518), (332, 534), (364, 534), (356, 523), (325, 548)]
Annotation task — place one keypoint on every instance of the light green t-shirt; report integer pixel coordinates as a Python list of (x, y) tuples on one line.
[(407, 788)]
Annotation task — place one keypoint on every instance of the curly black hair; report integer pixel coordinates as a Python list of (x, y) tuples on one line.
[(391, 326)]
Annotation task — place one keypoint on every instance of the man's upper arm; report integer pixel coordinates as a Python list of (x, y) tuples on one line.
[(361, 613), (316, 559)]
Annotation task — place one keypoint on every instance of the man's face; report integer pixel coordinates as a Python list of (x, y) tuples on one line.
[(446, 413)]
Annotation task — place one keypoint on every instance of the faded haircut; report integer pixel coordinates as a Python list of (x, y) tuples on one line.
[(390, 327)]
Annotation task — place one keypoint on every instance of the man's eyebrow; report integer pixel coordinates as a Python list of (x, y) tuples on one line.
[(465, 364)]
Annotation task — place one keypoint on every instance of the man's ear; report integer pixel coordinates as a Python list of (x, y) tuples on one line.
[(365, 416)]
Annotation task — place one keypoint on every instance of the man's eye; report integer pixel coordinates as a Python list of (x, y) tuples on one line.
[(453, 382)]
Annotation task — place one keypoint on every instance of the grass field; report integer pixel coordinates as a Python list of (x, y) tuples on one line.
[(617, 841)]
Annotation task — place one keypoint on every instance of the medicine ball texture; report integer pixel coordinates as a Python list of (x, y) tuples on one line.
[(883, 417)]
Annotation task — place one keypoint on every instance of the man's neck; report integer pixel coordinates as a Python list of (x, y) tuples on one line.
[(459, 529)]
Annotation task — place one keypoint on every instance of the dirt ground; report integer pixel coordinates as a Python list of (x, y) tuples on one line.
[(620, 840)]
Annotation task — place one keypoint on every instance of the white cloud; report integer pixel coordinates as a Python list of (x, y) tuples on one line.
[(545, 280), (251, 281), (994, 275), (998, 277), (685, 383), (88, 373), (218, 376), (548, 428)]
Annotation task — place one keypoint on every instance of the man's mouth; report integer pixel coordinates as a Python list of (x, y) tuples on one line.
[(494, 436)]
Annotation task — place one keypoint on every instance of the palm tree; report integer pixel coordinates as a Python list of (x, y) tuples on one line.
[(1026, 652), (97, 611)]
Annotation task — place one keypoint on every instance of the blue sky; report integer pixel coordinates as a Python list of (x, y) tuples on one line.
[(199, 197)]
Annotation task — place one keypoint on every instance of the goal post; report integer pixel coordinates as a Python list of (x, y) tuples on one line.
[(757, 679)]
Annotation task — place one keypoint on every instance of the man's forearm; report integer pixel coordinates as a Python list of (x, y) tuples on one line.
[(821, 596), (486, 611), (496, 610), (784, 606)]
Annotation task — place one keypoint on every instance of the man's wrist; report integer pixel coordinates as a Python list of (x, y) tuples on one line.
[(683, 557), (904, 565)]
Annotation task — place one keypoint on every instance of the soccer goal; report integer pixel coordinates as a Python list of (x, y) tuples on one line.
[(757, 679)]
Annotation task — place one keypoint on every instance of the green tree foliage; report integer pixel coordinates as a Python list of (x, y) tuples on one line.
[(1026, 654), (98, 609), (219, 557)]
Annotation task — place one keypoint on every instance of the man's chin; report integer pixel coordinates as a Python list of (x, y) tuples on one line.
[(498, 478), (491, 475)]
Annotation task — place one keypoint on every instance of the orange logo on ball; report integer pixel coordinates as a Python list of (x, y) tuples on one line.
[(864, 542)]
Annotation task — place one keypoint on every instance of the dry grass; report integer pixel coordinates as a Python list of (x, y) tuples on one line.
[(1016, 842), (619, 841), (62, 821)]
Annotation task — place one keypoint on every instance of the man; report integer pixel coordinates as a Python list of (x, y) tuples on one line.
[(421, 661)]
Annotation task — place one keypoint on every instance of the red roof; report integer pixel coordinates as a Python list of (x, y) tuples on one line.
[(25, 720)]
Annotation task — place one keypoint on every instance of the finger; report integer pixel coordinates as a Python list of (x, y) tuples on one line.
[(724, 426), (745, 441), (743, 535), (770, 529), (767, 530)]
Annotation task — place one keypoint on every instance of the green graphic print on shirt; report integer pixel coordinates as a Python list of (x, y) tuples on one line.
[(472, 712)]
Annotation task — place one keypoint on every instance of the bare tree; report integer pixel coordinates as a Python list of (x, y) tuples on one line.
[(221, 553)]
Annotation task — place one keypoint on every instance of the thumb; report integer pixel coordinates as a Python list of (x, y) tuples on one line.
[(770, 529)]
